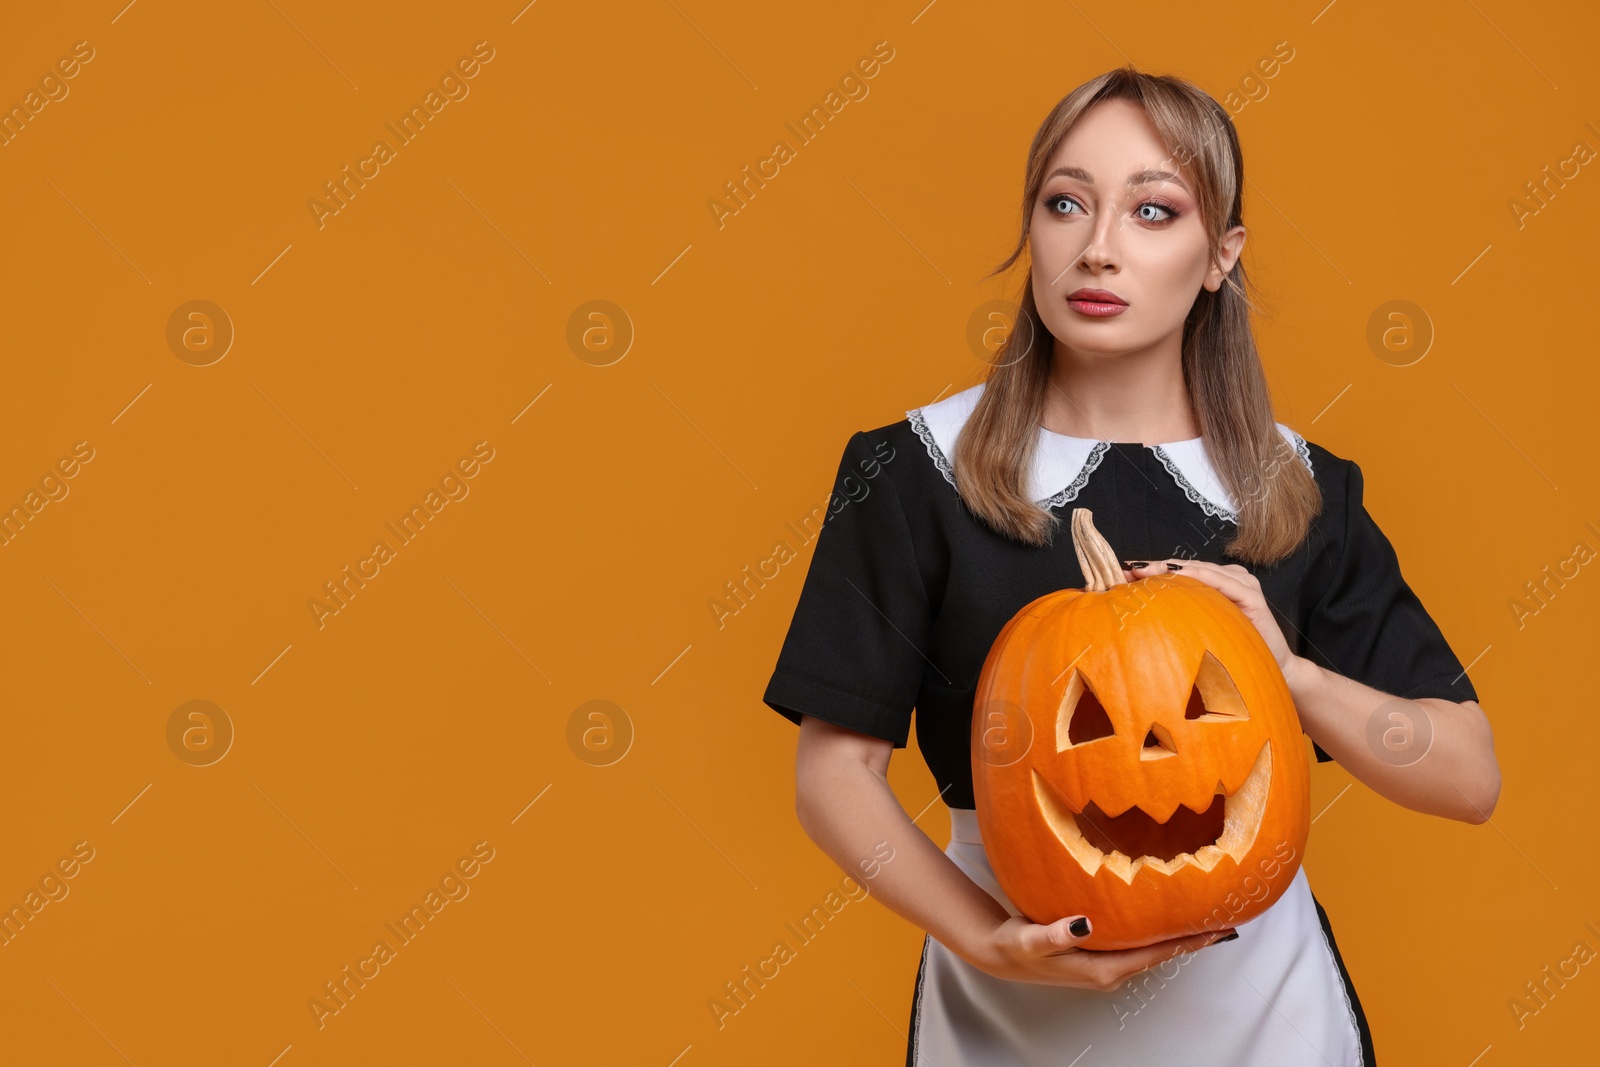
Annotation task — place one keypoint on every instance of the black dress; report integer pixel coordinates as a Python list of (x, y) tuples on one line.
[(904, 596)]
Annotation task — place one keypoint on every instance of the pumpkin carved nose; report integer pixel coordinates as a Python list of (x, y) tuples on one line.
[(1158, 743)]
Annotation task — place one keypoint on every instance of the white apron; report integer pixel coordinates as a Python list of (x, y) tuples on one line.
[(1276, 996)]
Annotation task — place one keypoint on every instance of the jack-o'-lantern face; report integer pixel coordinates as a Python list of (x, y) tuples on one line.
[(1137, 758)]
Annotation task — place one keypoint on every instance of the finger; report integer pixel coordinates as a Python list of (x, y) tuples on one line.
[(1134, 960), (1059, 936), (1234, 571), (1231, 584)]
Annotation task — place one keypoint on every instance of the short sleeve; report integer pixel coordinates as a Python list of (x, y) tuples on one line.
[(1368, 624), (853, 655)]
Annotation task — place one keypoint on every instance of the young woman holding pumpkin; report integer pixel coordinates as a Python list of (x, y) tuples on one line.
[(1130, 385)]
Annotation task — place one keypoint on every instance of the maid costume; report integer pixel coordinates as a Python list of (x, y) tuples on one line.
[(904, 596)]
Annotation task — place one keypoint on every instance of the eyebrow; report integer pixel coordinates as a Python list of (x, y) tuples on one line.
[(1137, 178)]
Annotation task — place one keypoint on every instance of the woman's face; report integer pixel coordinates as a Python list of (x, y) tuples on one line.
[(1116, 213)]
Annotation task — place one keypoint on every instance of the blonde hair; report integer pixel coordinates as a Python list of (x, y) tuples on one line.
[(1275, 495)]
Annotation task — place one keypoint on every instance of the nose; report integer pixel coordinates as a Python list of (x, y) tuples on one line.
[(1158, 743), (1099, 253)]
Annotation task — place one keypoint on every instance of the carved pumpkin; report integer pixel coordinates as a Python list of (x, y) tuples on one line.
[(1137, 757)]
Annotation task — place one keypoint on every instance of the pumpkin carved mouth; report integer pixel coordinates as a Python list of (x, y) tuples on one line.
[(1227, 827)]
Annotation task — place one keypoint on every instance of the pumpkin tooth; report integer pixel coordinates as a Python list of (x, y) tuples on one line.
[(1241, 814), (1168, 867), (1120, 865), (1066, 827), (1243, 808)]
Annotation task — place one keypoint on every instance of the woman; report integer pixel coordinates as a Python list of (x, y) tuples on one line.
[(1129, 385)]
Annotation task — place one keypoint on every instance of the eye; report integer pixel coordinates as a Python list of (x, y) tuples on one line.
[(1214, 697), (1082, 717), (1168, 212), (1050, 203)]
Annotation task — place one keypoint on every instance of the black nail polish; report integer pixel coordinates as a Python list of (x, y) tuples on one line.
[(1135, 564), (1230, 937), (1079, 927), (1174, 566)]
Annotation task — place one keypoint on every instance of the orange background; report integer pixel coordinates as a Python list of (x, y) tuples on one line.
[(374, 350)]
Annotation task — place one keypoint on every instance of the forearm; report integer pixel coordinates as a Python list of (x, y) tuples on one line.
[(1429, 755), (848, 808)]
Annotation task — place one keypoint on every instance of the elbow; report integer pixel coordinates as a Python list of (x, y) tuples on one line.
[(1488, 793), (807, 793), (1484, 790), (804, 806), (815, 790), (833, 768)]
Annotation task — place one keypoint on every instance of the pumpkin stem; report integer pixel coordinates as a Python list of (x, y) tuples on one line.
[(1100, 566)]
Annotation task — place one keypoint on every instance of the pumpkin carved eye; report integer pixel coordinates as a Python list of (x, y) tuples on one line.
[(1082, 717), (1214, 697)]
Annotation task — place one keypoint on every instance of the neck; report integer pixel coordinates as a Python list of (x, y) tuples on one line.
[(1121, 396)]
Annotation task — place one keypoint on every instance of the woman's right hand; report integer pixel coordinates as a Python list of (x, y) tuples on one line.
[(1024, 951)]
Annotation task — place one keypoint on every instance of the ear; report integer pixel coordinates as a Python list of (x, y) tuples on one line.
[(1231, 247)]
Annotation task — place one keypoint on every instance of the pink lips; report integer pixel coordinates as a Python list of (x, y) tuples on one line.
[(1099, 303)]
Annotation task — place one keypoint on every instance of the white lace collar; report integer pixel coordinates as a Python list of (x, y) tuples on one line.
[(1063, 464)]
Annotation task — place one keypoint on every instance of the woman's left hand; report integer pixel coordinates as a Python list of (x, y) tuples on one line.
[(1237, 584)]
